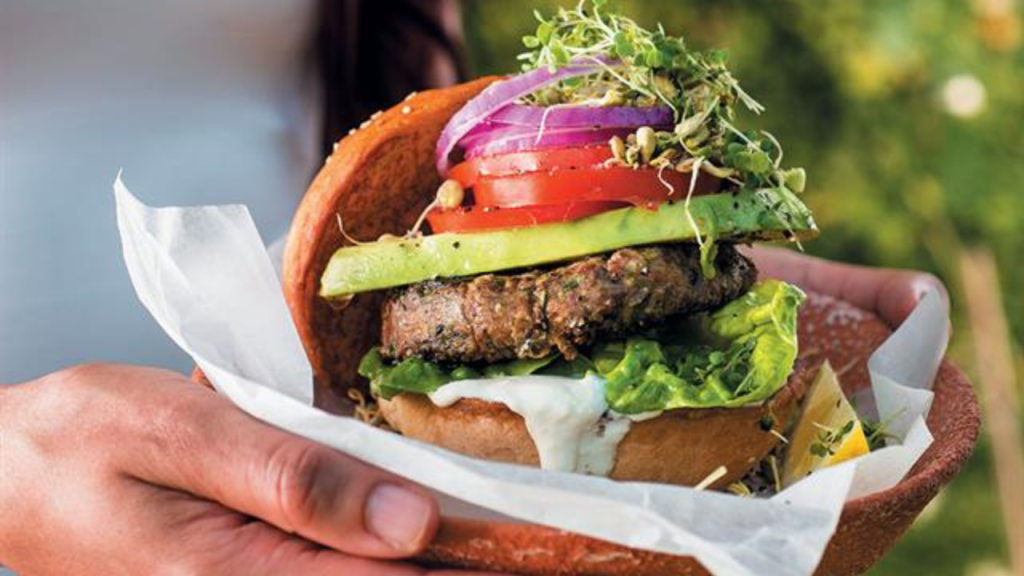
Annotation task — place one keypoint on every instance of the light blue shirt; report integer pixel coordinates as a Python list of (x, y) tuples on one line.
[(199, 101)]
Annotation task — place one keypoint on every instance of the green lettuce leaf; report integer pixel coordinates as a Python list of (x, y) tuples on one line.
[(412, 375), (423, 377), (739, 355), (750, 350)]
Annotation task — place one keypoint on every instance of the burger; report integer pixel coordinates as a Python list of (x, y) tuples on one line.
[(543, 269)]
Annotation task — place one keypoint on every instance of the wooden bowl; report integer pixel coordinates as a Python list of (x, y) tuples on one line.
[(868, 528)]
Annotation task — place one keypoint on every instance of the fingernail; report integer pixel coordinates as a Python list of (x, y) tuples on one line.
[(922, 285), (921, 288), (398, 516)]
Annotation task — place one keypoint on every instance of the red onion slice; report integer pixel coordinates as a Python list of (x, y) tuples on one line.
[(583, 116), (489, 138), (496, 96), (490, 144)]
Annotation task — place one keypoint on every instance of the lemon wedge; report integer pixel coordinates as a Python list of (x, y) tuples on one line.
[(827, 432)]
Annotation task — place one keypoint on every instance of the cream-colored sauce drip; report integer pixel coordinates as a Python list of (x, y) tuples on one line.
[(569, 420)]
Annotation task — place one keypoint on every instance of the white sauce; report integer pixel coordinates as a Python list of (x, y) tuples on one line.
[(568, 420)]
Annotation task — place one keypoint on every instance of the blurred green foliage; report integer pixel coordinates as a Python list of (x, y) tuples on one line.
[(909, 118)]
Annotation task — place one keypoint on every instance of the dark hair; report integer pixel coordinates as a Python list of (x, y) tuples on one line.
[(370, 55)]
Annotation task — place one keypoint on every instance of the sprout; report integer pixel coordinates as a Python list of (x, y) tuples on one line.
[(795, 179), (618, 147), (450, 195), (647, 67), (648, 141), (612, 97)]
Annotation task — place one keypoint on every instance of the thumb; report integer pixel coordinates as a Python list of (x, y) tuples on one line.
[(213, 450)]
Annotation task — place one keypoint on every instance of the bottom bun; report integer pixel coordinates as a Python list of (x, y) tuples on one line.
[(683, 446)]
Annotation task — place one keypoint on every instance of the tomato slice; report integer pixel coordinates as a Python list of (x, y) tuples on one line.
[(471, 171), (640, 186), (557, 185), (474, 218)]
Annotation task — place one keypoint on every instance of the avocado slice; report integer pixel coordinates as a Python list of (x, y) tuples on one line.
[(765, 214)]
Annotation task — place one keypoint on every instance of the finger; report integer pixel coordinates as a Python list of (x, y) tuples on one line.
[(206, 538), (200, 444), (890, 293), (275, 552), (257, 549)]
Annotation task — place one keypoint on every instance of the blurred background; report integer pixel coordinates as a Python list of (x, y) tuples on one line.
[(909, 118)]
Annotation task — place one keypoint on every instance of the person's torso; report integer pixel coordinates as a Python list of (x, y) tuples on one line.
[(198, 101)]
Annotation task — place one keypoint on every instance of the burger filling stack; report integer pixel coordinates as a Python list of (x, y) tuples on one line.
[(573, 297)]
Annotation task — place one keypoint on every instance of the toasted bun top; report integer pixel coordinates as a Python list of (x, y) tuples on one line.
[(379, 179)]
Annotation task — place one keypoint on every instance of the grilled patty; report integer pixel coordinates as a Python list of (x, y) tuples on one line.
[(496, 317)]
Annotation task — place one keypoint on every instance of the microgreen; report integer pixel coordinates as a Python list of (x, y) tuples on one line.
[(829, 439), (878, 433), (642, 67)]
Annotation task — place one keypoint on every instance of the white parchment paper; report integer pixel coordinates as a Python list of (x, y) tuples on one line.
[(205, 276)]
